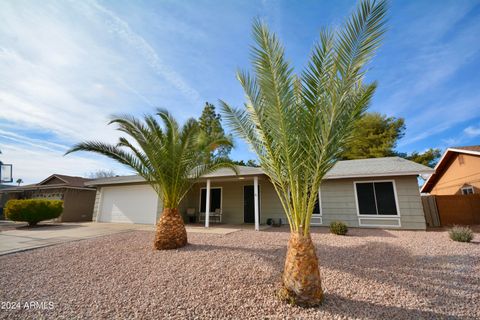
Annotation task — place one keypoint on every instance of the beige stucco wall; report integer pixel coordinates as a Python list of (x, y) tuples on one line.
[(458, 174), (338, 202)]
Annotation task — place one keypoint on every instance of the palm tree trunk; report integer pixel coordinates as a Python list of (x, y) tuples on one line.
[(302, 285), (171, 233)]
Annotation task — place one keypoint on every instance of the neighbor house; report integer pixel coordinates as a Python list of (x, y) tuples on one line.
[(78, 199), (457, 173), (454, 188), (381, 192)]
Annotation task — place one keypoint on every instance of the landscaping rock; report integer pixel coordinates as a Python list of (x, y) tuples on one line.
[(371, 274)]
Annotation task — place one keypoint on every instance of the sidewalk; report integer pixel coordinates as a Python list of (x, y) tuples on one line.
[(16, 237)]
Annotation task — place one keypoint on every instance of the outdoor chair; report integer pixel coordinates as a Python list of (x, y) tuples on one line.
[(191, 215), (215, 216)]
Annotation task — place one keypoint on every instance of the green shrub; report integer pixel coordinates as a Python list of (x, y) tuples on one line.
[(461, 234), (339, 228), (33, 210)]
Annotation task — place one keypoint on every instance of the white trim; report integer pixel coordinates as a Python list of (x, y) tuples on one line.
[(318, 216), (477, 153), (319, 220), (360, 224), (256, 203), (207, 204), (319, 204), (387, 174), (467, 188), (200, 201), (377, 216)]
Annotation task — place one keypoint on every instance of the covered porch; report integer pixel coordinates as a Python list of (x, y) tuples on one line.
[(224, 198)]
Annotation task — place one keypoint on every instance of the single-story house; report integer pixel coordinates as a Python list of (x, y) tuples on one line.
[(78, 199), (457, 173), (380, 192)]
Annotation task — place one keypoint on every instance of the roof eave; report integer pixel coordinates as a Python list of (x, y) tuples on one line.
[(477, 153), (107, 183), (44, 187), (386, 174), (50, 177), (233, 175)]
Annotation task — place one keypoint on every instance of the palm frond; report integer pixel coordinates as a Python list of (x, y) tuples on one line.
[(298, 126), (165, 154)]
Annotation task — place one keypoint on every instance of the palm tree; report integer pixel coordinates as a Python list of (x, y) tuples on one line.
[(169, 157), (19, 182), (298, 125)]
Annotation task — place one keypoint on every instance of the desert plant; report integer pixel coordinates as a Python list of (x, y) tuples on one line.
[(298, 125), (338, 228), (33, 210), (461, 234), (169, 157)]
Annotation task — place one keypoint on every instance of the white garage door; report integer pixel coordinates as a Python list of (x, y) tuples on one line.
[(128, 204)]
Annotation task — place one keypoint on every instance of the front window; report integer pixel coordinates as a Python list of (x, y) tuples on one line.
[(376, 198), (215, 199)]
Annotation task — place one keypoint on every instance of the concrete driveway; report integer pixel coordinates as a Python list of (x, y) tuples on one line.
[(15, 237)]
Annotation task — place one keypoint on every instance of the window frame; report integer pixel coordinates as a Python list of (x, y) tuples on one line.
[(467, 188), (319, 195), (377, 216), (200, 199), (317, 219)]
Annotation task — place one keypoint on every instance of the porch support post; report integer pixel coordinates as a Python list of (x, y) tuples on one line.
[(207, 205), (255, 197)]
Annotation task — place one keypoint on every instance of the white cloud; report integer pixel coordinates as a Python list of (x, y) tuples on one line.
[(34, 164), (440, 117), (432, 65), (472, 131), (122, 29), (38, 143), (66, 68)]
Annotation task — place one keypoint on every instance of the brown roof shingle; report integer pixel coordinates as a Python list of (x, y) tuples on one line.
[(469, 148), (73, 181), (70, 182)]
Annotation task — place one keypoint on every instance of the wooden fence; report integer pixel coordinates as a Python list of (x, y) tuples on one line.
[(431, 211), (452, 209)]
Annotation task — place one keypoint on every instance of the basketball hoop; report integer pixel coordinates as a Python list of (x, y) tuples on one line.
[(6, 173)]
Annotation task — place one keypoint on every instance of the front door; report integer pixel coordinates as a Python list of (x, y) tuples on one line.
[(249, 204)]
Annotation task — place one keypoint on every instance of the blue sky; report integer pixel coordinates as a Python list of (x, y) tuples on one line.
[(67, 66)]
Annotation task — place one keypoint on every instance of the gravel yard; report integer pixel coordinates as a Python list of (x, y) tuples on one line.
[(368, 274)]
